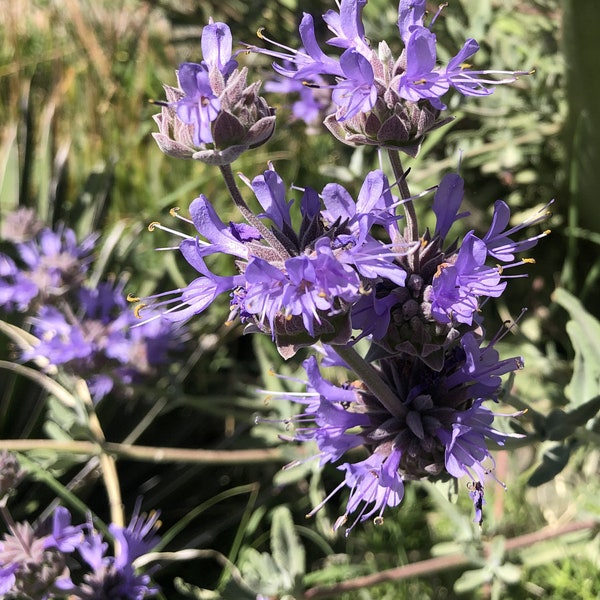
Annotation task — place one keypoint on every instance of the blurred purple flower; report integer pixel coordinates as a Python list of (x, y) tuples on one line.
[(51, 264), (115, 576), (94, 339)]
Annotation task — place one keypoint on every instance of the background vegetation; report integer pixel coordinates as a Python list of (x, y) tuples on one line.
[(75, 125)]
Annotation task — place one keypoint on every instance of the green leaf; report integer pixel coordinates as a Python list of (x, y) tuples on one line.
[(584, 332), (471, 580), (553, 462), (509, 573), (561, 424), (261, 572), (285, 544)]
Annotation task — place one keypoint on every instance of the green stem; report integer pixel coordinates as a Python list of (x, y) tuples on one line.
[(149, 453), (250, 217), (372, 379)]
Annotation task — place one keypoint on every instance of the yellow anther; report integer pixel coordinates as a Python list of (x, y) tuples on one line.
[(547, 232), (440, 268), (153, 225), (500, 269), (138, 309), (173, 212), (378, 520), (132, 298), (532, 71), (259, 33), (529, 261)]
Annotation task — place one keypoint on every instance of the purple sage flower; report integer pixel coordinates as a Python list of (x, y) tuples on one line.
[(380, 99), (437, 428)]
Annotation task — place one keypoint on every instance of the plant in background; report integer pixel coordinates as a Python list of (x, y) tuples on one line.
[(55, 559), (84, 328)]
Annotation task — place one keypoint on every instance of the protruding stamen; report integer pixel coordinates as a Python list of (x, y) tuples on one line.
[(174, 212), (156, 225), (260, 33), (137, 310), (441, 7), (132, 298)]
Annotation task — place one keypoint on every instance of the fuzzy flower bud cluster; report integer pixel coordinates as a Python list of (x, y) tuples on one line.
[(213, 115)]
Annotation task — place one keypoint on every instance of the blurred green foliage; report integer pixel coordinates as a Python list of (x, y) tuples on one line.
[(76, 79)]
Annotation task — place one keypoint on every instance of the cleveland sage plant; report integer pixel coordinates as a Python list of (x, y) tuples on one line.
[(355, 269)]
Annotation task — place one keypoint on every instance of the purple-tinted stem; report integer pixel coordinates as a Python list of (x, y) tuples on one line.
[(250, 217), (412, 226)]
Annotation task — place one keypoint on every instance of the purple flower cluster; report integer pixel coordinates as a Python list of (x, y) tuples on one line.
[(47, 266), (332, 275), (94, 338), (55, 559), (380, 97), (437, 427), (213, 115), (298, 285), (327, 270), (333, 280), (86, 330)]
